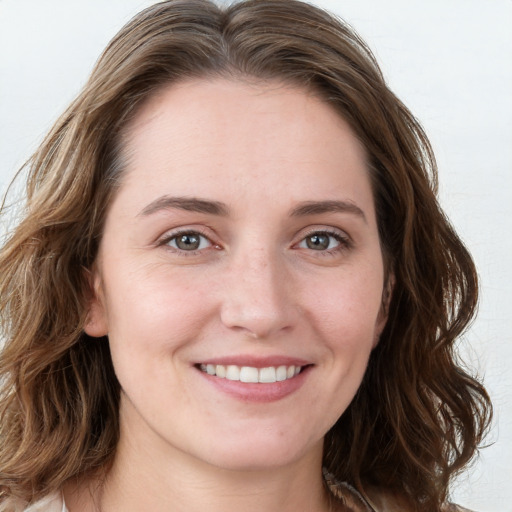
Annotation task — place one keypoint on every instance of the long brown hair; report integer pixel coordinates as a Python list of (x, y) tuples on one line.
[(418, 416)]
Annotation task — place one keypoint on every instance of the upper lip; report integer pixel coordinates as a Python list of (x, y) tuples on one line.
[(256, 361)]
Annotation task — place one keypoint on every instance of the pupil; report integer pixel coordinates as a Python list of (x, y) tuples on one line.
[(318, 242), (188, 242)]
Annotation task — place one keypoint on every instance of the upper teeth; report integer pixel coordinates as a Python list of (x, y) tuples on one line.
[(251, 374)]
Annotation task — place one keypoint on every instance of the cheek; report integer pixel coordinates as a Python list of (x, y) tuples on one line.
[(153, 312), (151, 319), (344, 318), (347, 307)]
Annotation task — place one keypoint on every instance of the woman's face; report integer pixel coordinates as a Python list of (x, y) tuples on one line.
[(240, 275)]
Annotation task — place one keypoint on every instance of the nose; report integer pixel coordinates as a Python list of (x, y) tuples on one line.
[(258, 296)]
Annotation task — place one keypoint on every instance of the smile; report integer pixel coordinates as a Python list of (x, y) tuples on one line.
[(251, 374)]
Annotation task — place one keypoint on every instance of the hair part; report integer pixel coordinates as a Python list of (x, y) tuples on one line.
[(418, 417)]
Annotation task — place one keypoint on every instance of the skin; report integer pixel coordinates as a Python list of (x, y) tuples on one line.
[(254, 288)]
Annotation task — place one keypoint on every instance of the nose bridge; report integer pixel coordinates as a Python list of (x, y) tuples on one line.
[(257, 298)]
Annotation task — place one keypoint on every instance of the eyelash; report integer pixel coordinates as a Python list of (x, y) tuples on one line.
[(191, 232), (344, 242)]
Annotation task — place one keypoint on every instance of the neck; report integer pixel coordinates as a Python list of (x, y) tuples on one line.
[(189, 486), (148, 474)]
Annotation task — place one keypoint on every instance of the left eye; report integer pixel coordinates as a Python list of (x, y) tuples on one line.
[(320, 242), (189, 241)]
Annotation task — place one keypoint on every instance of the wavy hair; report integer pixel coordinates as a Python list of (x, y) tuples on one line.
[(418, 416)]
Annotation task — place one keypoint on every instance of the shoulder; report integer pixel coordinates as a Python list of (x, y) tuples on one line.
[(375, 499), (50, 503), (383, 501), (456, 508)]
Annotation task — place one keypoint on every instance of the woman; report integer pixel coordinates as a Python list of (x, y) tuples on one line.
[(233, 287)]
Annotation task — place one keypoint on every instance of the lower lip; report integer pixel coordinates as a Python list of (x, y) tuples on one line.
[(258, 392)]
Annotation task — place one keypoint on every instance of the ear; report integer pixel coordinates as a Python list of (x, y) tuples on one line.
[(382, 318), (96, 324)]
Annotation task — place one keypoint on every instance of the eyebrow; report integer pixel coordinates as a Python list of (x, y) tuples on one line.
[(319, 207), (194, 204), (190, 204)]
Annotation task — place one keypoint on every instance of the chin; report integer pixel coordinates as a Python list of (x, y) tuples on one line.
[(251, 454)]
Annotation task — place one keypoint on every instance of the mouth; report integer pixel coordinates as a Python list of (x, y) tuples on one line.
[(251, 374), (252, 379)]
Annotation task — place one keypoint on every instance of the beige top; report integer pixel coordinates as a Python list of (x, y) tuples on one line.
[(377, 501), (51, 503)]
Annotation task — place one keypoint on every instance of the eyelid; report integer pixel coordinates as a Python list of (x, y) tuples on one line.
[(171, 234), (345, 241), (328, 230)]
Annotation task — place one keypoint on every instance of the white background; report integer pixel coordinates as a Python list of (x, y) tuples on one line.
[(450, 61)]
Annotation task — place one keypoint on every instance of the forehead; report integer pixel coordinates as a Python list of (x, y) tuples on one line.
[(198, 134), (217, 106)]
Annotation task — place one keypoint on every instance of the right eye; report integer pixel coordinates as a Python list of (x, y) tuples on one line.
[(188, 241)]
